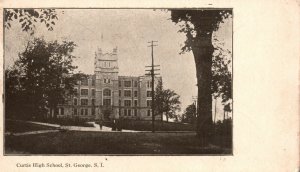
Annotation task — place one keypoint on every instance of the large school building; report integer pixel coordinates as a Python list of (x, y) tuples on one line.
[(106, 94)]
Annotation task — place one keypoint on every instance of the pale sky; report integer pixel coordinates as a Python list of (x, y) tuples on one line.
[(129, 30)]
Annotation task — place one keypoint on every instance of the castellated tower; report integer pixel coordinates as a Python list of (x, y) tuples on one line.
[(107, 96)]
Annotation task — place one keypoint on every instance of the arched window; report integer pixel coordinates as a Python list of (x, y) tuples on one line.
[(106, 92)]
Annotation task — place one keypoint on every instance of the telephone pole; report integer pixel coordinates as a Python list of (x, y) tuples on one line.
[(152, 74), (195, 99)]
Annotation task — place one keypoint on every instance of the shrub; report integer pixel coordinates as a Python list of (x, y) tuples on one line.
[(146, 125)]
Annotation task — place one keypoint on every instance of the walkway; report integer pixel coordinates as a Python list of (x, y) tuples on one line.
[(95, 128), (69, 128)]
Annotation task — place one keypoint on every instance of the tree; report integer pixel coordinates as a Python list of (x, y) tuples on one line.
[(28, 17), (222, 75), (166, 101), (198, 26), (189, 115), (45, 75), (13, 94)]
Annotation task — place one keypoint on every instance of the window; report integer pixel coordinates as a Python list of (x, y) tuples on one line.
[(149, 93), (120, 93), (120, 83), (125, 112), (127, 93), (127, 83), (86, 111), (75, 111), (93, 111), (75, 91), (84, 82), (119, 102), (135, 93), (149, 103), (129, 112), (82, 112), (135, 83), (135, 112), (149, 84), (135, 102), (106, 81), (106, 102), (93, 82), (75, 101), (106, 92), (84, 102), (62, 111), (148, 112), (93, 92), (56, 111), (93, 102), (84, 92), (127, 102)]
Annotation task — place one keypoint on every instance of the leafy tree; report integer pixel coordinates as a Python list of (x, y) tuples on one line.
[(222, 74), (28, 17), (166, 101), (45, 78), (198, 26), (189, 115), (13, 94)]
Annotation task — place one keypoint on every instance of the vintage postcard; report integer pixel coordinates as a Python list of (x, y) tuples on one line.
[(181, 87)]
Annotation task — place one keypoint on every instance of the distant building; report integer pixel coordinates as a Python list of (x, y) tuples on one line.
[(106, 94)]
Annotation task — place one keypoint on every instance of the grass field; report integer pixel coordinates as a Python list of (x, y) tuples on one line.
[(79, 142)]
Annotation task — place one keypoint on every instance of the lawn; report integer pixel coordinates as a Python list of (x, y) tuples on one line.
[(22, 126), (67, 122), (80, 142)]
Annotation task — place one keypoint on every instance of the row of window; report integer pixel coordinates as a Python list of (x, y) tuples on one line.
[(107, 92), (107, 102), (127, 103), (84, 112), (84, 102), (128, 112), (128, 83), (127, 93), (149, 84), (85, 92), (85, 82)]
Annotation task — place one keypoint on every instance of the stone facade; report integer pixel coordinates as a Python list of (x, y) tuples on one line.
[(110, 96)]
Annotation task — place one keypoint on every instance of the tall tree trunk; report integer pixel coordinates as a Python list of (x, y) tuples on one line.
[(203, 50)]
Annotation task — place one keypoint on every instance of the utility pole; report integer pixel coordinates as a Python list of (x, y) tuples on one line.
[(195, 99), (215, 110), (152, 74)]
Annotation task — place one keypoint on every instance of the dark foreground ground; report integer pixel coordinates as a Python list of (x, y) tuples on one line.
[(87, 142), (80, 142), (20, 126)]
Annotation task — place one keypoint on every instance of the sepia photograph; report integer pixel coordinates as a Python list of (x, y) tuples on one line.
[(118, 81)]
